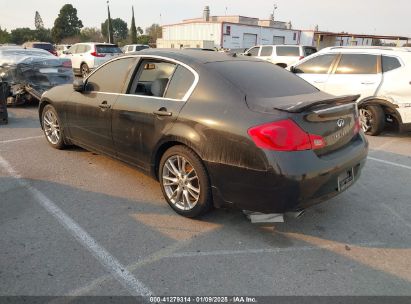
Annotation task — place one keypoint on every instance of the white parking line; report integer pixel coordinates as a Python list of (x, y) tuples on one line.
[(389, 163), (266, 250), (19, 139), (123, 276)]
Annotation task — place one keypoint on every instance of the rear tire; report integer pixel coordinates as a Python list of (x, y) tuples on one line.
[(84, 69), (52, 127), (372, 119), (185, 182)]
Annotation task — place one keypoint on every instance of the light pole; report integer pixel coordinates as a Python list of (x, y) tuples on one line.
[(275, 7), (109, 32)]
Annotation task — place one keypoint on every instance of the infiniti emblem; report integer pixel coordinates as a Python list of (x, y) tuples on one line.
[(340, 123)]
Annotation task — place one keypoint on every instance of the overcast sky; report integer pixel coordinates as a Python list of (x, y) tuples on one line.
[(356, 16)]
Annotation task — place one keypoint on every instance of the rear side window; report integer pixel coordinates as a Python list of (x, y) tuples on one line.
[(107, 49), (317, 65), (111, 77), (357, 64), (266, 51), (81, 49), (180, 83), (262, 79), (254, 51), (309, 51), (288, 51), (390, 63)]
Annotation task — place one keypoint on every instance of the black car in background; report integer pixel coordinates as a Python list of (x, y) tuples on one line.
[(47, 46), (213, 129)]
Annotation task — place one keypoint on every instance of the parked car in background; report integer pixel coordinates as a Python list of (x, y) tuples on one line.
[(130, 48), (62, 48), (85, 57), (31, 72), (41, 45), (281, 55), (175, 114), (382, 75)]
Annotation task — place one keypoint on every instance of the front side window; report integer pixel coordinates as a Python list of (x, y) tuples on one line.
[(288, 51), (317, 65), (254, 51), (266, 51), (390, 63), (110, 78), (357, 64), (152, 78)]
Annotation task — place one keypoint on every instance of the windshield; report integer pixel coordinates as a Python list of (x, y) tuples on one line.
[(108, 49)]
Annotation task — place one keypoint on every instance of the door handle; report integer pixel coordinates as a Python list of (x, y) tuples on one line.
[(104, 105), (163, 112), (319, 81), (368, 82)]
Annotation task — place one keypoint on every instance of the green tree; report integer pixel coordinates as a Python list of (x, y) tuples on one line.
[(133, 29), (42, 35), (67, 23), (38, 22), (154, 31), (21, 35), (120, 30), (4, 36), (144, 39), (91, 34)]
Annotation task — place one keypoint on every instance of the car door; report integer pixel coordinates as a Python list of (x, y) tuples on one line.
[(316, 70), (355, 74), (266, 53), (157, 92), (89, 112), (287, 54), (77, 57)]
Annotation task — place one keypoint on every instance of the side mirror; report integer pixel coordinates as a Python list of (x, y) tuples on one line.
[(293, 70), (248, 54), (78, 85)]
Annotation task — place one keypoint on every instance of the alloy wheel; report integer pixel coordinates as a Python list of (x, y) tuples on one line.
[(181, 183), (366, 119), (51, 127)]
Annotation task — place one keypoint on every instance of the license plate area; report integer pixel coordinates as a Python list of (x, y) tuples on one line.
[(345, 179)]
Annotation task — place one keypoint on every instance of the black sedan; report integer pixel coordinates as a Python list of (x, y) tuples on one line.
[(215, 130)]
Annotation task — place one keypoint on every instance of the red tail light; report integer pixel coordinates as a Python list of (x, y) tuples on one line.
[(95, 54), (67, 64), (302, 57), (357, 125), (285, 135)]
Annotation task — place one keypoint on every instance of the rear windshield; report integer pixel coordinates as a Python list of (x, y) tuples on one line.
[(309, 51), (44, 46), (107, 49), (26, 53), (262, 79)]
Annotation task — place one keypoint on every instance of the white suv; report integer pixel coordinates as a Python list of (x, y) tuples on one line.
[(381, 75), (282, 55), (85, 57), (131, 48)]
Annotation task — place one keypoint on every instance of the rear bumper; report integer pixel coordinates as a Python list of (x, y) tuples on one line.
[(294, 181)]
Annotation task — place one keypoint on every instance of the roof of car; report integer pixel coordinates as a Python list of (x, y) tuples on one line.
[(192, 55), (367, 49)]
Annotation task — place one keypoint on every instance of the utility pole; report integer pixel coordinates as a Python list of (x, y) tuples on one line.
[(275, 7), (109, 26)]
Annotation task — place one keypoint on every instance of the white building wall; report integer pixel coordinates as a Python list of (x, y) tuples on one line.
[(194, 31), (234, 37)]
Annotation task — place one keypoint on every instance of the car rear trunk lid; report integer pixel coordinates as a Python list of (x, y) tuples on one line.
[(335, 119)]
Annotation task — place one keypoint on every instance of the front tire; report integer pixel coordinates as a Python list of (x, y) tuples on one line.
[(372, 119), (52, 127), (185, 182)]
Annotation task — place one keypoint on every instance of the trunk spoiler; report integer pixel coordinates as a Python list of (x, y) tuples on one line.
[(302, 106)]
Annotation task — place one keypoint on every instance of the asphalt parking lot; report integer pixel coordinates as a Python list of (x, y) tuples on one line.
[(76, 223)]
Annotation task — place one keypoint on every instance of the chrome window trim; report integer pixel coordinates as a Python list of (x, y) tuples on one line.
[(184, 99)]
